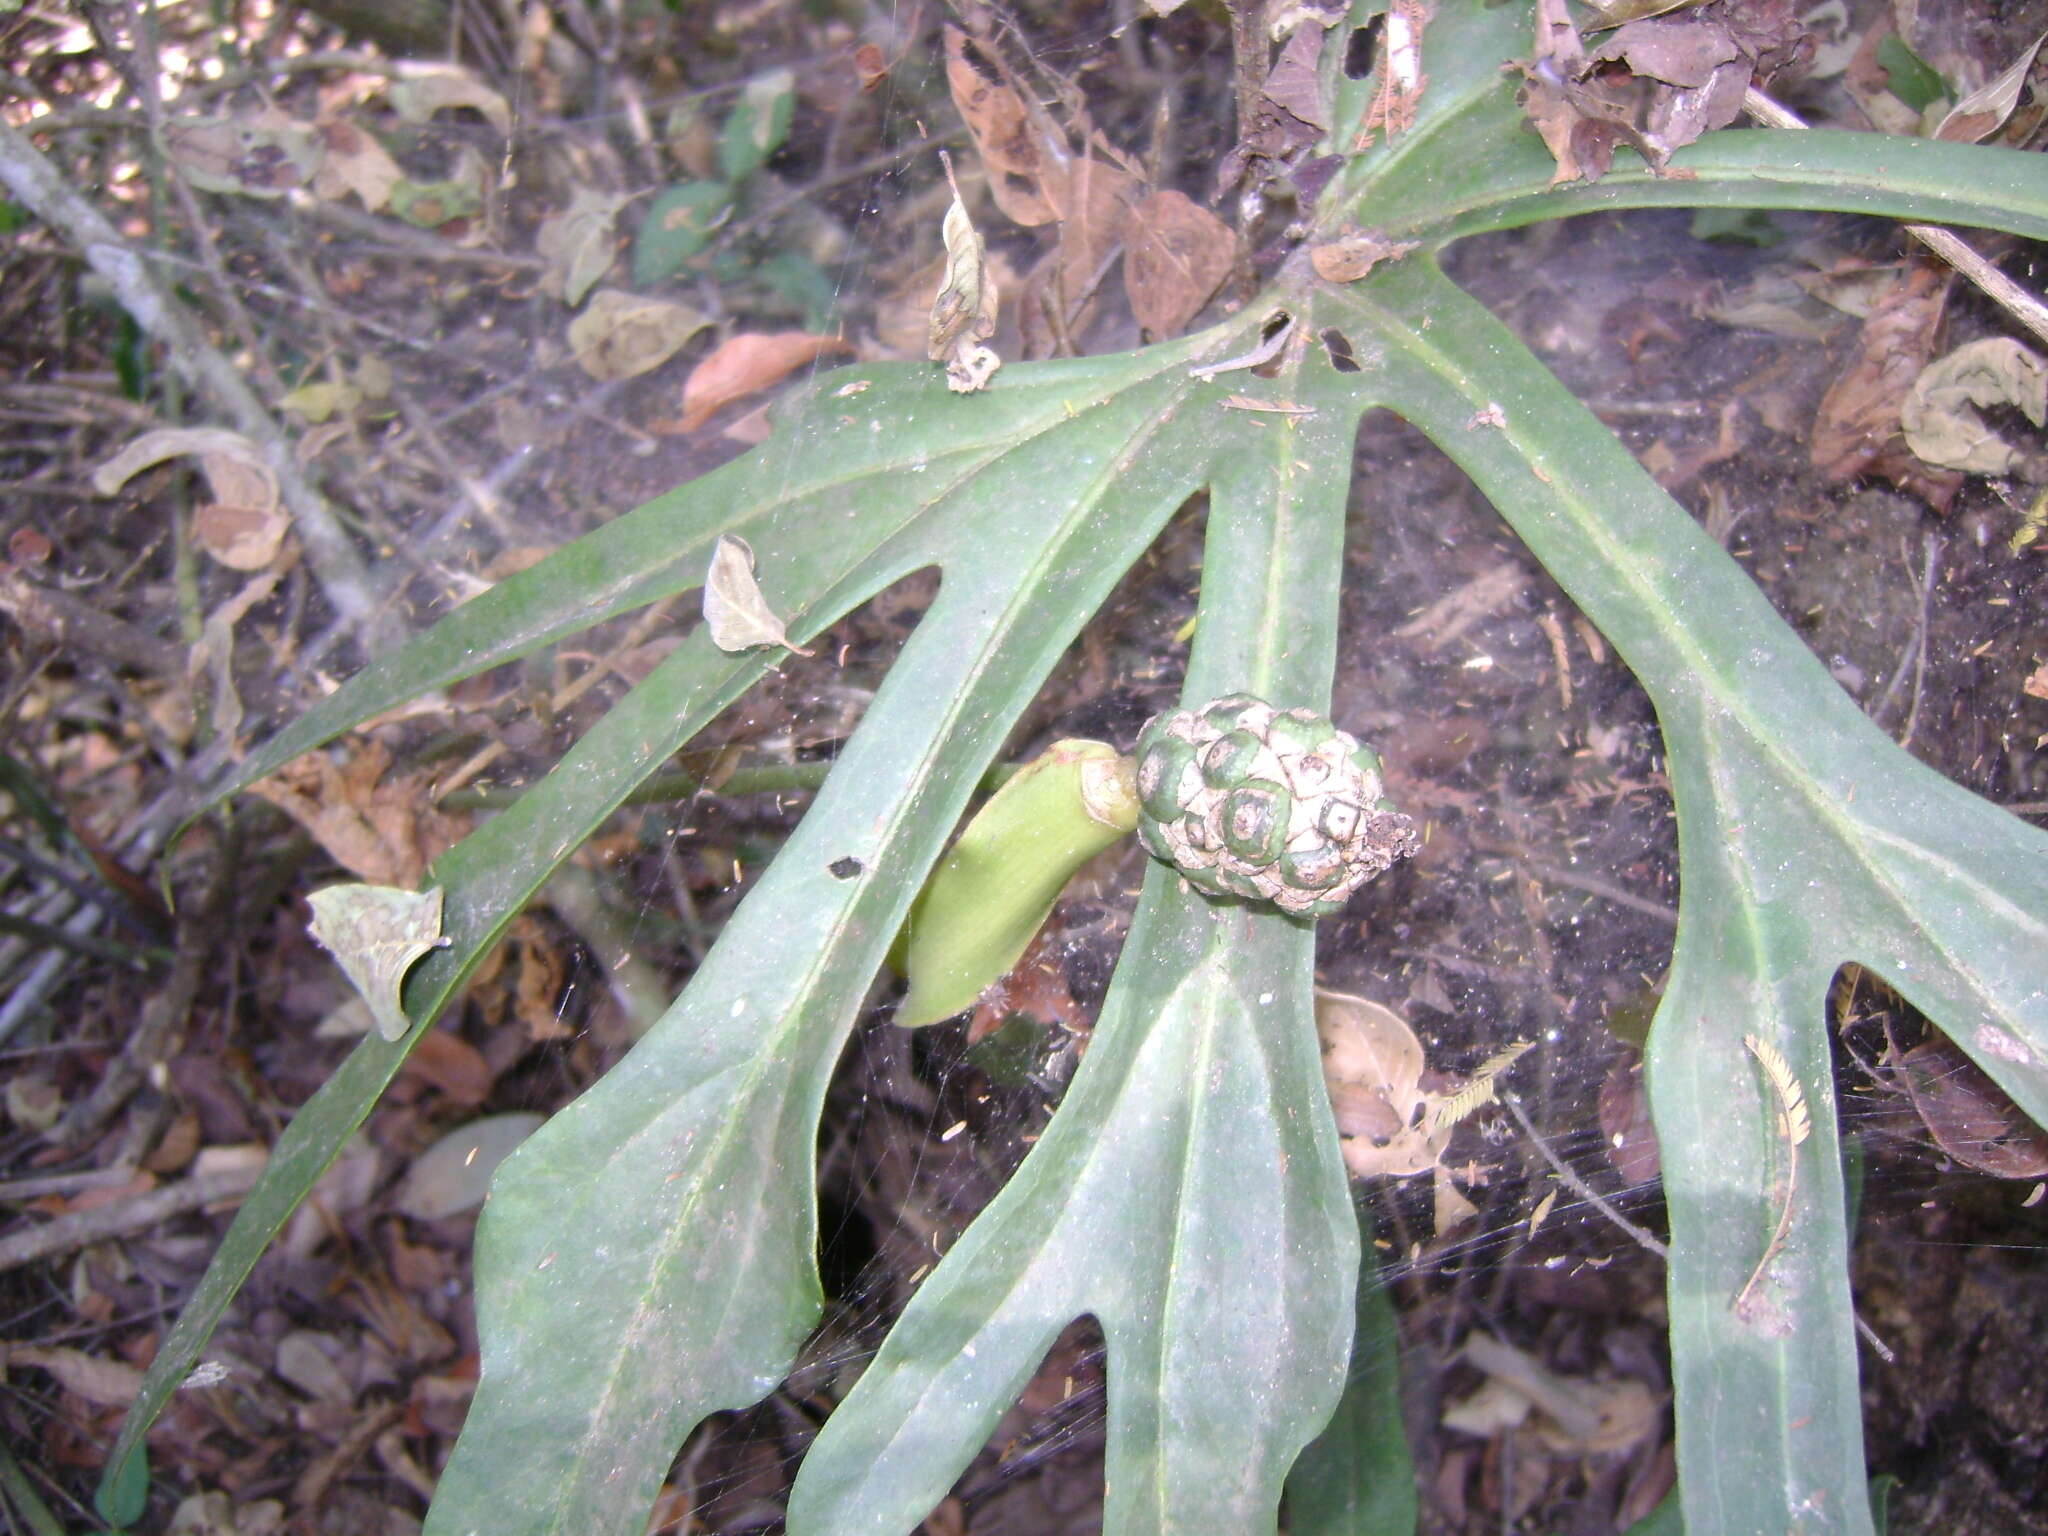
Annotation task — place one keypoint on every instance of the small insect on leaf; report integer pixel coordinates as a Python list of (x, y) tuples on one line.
[(375, 933), (738, 615), (1793, 1122)]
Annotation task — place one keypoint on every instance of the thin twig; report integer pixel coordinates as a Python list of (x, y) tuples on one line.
[(1950, 247), (1568, 1176), (81, 1229)]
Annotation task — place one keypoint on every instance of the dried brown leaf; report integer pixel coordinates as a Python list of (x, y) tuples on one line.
[(1005, 133), (1969, 1116), (1176, 255), (744, 364)]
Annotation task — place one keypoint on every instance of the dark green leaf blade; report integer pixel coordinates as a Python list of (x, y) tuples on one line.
[(1357, 1478), (1807, 839), (646, 1258)]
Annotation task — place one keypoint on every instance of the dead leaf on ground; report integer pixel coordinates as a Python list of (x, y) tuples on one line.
[(244, 525), (1005, 132), (259, 154), (425, 89), (375, 934), (454, 1174), (1969, 1116), (1857, 428), (103, 1383), (1941, 415), (355, 161), (1176, 255), (735, 611), (743, 365), (382, 831), (623, 335), (577, 243)]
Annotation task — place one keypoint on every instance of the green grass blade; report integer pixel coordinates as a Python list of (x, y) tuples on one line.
[(1196, 1139), (646, 1258), (1807, 839)]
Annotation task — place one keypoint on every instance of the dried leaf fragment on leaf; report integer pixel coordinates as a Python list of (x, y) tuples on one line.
[(734, 609), (375, 933), (1352, 257), (1941, 415), (964, 311)]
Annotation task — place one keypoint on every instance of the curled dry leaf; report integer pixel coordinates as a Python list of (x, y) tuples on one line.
[(425, 89), (743, 365), (244, 525), (1941, 413), (577, 244), (964, 310), (1176, 255), (376, 933), (735, 610), (1984, 111), (623, 335), (1374, 1063)]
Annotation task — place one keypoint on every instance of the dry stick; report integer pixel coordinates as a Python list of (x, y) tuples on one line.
[(1951, 248), (44, 191), (81, 1229)]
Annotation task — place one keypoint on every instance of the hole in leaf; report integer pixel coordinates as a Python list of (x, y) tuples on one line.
[(1363, 48), (846, 868), (1338, 345)]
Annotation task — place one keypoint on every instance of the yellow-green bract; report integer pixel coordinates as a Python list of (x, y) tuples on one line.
[(992, 892)]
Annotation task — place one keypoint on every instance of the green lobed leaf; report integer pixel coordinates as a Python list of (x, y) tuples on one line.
[(1357, 1478), (647, 1257), (1807, 840), (1197, 1132), (687, 1167)]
